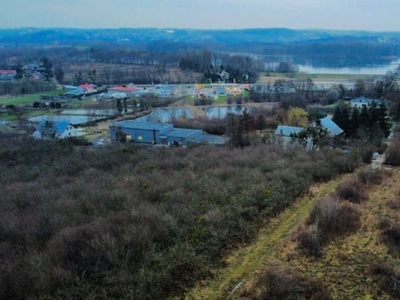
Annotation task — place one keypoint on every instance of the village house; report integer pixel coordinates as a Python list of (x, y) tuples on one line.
[(283, 134), (88, 88), (7, 75), (129, 90), (167, 90), (363, 101), (55, 130)]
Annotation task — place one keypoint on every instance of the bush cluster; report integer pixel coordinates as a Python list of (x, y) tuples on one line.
[(285, 284), (389, 234), (388, 276), (369, 176), (327, 220), (124, 222), (352, 191)]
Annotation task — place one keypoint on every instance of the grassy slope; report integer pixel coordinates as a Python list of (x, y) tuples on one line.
[(343, 266), (244, 262)]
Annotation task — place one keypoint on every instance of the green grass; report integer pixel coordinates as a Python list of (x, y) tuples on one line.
[(26, 99)]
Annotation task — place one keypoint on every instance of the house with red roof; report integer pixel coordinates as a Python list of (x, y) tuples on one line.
[(130, 90), (7, 75), (88, 88)]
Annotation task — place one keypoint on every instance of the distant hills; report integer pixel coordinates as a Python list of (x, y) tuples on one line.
[(344, 47), (40, 36)]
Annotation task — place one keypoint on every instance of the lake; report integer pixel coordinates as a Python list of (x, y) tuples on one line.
[(166, 115), (337, 65), (220, 112), (95, 112), (74, 120), (378, 70)]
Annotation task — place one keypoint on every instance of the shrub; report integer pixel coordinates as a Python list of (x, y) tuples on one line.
[(390, 235), (352, 190), (393, 154), (309, 240), (393, 204), (285, 284), (327, 220), (373, 176), (388, 276), (366, 153)]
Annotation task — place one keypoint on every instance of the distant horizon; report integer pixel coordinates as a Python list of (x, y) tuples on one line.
[(200, 29), (349, 15)]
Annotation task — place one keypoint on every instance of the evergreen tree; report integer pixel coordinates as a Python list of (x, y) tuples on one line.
[(341, 117), (383, 119), (363, 129), (354, 123)]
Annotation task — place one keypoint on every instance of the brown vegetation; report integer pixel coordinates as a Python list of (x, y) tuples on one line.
[(388, 276), (328, 219), (352, 191), (125, 222), (285, 284), (389, 234)]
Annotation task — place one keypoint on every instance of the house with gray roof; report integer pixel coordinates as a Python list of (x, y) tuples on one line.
[(332, 127), (283, 134), (160, 133), (364, 101)]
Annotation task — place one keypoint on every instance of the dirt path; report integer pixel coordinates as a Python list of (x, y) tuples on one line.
[(344, 265), (244, 262)]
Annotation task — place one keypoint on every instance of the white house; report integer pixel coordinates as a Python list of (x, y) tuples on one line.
[(283, 134), (363, 101), (57, 130)]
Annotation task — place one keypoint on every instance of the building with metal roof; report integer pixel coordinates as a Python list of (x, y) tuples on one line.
[(332, 127), (159, 133), (283, 130)]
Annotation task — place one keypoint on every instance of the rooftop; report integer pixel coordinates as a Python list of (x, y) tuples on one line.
[(57, 126), (182, 132), (332, 127), (121, 88), (8, 72), (287, 130), (142, 125)]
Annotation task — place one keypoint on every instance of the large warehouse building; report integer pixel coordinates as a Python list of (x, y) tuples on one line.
[(160, 133)]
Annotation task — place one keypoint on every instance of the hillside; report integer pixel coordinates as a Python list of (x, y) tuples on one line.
[(346, 265), (125, 222)]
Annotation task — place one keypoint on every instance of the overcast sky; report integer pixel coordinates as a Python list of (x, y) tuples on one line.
[(376, 15)]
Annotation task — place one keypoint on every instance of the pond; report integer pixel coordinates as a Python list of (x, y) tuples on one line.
[(220, 112), (95, 112), (166, 115), (74, 120)]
